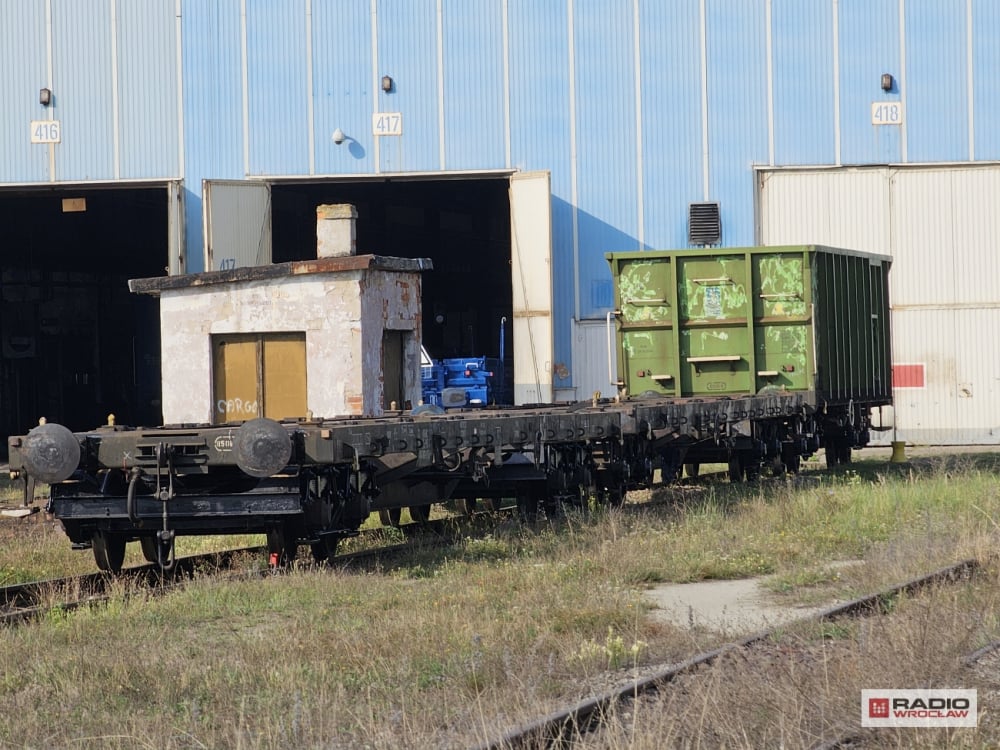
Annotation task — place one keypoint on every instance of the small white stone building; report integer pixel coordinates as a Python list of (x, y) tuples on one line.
[(339, 335)]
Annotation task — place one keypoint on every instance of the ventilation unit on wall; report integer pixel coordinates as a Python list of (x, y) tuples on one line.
[(704, 224)]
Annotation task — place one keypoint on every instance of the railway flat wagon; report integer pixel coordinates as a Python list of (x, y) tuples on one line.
[(703, 323), (754, 357)]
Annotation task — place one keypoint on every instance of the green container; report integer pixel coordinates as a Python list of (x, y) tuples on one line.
[(724, 321)]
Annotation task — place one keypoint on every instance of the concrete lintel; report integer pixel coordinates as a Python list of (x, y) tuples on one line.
[(339, 264)]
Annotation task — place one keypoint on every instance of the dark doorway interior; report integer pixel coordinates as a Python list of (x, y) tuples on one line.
[(462, 225), (75, 344)]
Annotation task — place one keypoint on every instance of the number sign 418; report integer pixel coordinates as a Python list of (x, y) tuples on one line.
[(887, 113)]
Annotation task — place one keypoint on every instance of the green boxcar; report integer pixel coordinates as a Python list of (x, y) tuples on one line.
[(725, 321)]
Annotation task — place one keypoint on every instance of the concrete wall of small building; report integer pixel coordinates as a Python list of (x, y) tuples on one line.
[(342, 314), (389, 302)]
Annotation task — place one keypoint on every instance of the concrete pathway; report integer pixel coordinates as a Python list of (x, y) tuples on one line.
[(735, 608)]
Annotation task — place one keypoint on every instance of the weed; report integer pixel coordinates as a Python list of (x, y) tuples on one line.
[(611, 654)]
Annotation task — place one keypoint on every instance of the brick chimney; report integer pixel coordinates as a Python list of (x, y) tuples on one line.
[(336, 235)]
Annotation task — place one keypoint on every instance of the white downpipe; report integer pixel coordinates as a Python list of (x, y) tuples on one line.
[(612, 375)]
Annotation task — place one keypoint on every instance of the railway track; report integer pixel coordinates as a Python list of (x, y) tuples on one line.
[(26, 601), (563, 726)]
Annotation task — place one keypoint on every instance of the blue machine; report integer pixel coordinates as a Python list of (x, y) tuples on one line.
[(463, 381)]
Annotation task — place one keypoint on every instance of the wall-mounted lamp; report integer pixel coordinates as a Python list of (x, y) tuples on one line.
[(45, 97), (887, 81), (387, 84), (338, 136)]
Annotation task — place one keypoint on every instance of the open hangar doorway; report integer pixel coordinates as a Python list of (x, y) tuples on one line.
[(462, 225), (75, 344)]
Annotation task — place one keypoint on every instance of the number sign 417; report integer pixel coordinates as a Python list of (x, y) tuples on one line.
[(387, 123)]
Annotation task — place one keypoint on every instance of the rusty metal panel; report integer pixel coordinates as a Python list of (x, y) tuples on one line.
[(234, 378), (284, 375), (259, 375)]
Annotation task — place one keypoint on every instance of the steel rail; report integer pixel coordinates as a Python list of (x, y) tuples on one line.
[(586, 715), (21, 602)]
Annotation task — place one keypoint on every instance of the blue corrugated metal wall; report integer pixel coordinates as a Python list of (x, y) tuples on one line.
[(23, 71), (670, 65), (637, 107), (148, 90), (82, 82), (937, 103), (277, 88), (607, 203), (113, 69), (869, 46), (985, 23), (473, 85), (343, 86), (737, 112), (802, 74)]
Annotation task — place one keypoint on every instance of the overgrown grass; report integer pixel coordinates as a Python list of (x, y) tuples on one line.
[(451, 646)]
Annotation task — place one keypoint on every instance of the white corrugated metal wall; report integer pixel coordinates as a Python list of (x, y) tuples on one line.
[(939, 225)]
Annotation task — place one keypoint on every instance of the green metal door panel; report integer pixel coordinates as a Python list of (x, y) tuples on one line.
[(713, 288), (650, 357), (645, 291), (783, 356), (715, 359), (780, 285), (714, 304), (647, 318), (783, 324)]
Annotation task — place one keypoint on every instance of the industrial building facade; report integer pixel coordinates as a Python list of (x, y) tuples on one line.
[(513, 142)]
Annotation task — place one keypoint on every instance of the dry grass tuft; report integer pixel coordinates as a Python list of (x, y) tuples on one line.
[(454, 646)]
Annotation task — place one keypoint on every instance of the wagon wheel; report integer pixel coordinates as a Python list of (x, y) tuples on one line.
[(843, 451), (613, 497), (735, 468), (838, 451), (553, 507), (281, 546), (109, 550), (792, 463), (491, 504), (390, 516), (420, 513), (466, 505), (831, 452), (692, 469), (325, 549), (155, 551), (527, 504)]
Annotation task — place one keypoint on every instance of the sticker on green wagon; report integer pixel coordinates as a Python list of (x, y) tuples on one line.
[(713, 302)]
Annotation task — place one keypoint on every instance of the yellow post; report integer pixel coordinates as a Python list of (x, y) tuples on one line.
[(898, 452)]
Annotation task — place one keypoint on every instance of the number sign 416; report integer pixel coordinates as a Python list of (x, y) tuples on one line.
[(46, 131)]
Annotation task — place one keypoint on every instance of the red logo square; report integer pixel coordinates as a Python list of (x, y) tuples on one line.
[(878, 708)]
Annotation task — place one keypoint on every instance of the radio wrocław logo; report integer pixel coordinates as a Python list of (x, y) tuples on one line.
[(919, 708)]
